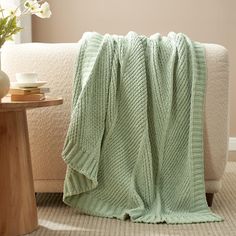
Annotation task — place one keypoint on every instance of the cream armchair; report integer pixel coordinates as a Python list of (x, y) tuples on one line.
[(48, 126)]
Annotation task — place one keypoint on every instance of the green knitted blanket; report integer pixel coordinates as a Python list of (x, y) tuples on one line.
[(134, 147)]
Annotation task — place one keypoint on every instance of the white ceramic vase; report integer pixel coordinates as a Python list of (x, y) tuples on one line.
[(4, 82)]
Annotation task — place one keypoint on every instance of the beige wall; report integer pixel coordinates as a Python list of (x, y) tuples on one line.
[(212, 21)]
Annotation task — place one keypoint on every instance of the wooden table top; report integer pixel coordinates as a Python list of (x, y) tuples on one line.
[(6, 104)]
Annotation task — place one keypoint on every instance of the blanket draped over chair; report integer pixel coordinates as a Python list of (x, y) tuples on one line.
[(134, 147)]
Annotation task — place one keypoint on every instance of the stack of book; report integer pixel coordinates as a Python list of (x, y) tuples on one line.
[(28, 94)]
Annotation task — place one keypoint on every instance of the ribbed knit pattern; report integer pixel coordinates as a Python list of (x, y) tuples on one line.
[(134, 147)]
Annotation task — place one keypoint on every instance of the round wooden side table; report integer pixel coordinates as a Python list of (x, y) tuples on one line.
[(18, 212)]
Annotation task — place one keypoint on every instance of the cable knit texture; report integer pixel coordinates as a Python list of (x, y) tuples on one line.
[(134, 147)]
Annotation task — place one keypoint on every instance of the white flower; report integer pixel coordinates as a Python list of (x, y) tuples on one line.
[(9, 9), (32, 5), (44, 11), (13, 11)]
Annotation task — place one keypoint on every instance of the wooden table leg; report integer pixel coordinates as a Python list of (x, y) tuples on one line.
[(18, 212)]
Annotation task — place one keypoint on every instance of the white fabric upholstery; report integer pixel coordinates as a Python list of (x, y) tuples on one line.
[(216, 112), (48, 126)]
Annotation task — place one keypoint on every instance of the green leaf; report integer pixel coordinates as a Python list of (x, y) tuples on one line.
[(8, 27), (3, 23)]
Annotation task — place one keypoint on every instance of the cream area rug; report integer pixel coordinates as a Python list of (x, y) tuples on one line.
[(55, 218)]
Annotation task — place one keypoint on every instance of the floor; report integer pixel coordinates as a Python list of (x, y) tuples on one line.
[(55, 218)]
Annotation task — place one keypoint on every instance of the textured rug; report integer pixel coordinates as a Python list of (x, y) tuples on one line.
[(55, 218)]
